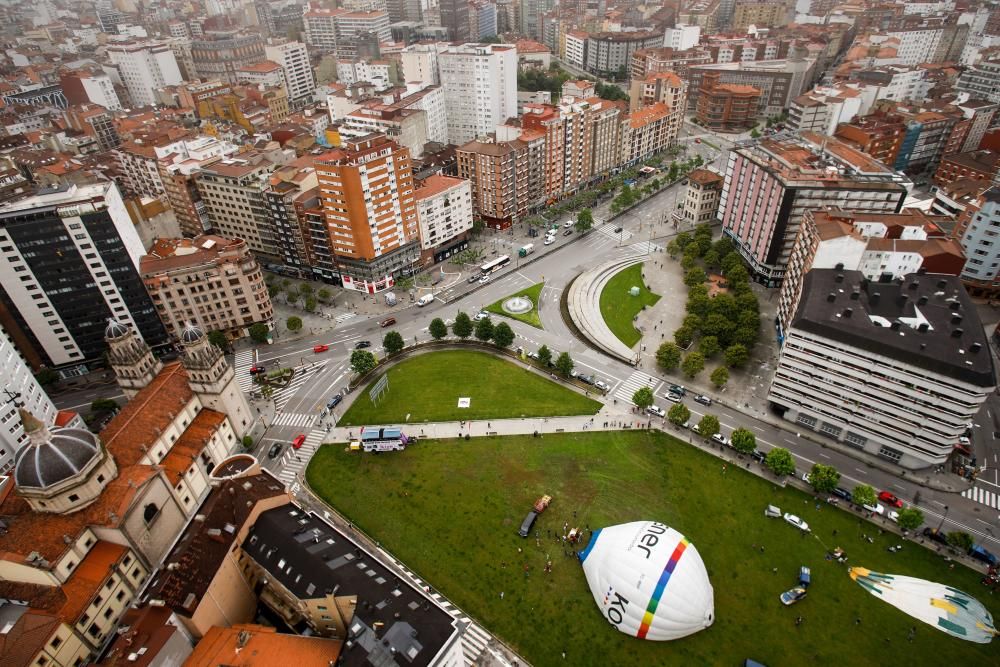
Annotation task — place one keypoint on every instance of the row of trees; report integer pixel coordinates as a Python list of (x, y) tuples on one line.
[(295, 292)]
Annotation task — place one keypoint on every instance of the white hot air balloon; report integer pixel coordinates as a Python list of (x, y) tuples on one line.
[(648, 580)]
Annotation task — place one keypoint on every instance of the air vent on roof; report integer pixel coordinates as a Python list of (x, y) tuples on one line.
[(840, 266), (955, 305), (874, 297), (901, 299), (922, 271), (831, 297), (957, 333), (975, 347), (914, 285), (922, 300), (942, 284), (923, 346), (923, 327), (855, 295), (956, 319), (839, 278), (885, 277), (895, 325), (848, 312)]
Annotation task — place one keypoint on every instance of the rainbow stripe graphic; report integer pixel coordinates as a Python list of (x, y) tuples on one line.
[(661, 585)]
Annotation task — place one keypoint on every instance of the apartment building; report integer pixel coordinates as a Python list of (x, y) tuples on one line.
[(893, 368), (407, 127), (293, 57), (779, 81), (178, 169), (665, 59), (359, 33), (232, 190), (646, 132), (504, 185), (219, 55), (982, 80), (454, 15), (607, 128), (879, 136), (983, 165), (610, 53), (90, 87), (979, 233), (444, 213), (420, 64), (872, 243), (321, 29), (264, 73), (666, 87), (759, 14), (480, 88), (367, 193), (701, 198), (824, 108), (726, 107), (70, 261), (209, 281), (770, 185), (94, 121), (144, 67)]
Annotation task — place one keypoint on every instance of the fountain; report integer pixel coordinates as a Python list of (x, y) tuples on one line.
[(517, 305)]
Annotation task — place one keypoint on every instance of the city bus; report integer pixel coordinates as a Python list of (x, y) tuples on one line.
[(495, 265)]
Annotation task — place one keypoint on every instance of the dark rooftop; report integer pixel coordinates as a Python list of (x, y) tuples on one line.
[(317, 559), (924, 320)]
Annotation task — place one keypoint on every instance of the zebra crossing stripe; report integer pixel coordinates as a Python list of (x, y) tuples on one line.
[(982, 496), (635, 381)]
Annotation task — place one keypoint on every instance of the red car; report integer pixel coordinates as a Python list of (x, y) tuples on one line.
[(254, 370), (387, 322), (299, 439), (890, 499), (321, 348)]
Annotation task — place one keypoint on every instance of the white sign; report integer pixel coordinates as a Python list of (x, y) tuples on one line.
[(464, 402)]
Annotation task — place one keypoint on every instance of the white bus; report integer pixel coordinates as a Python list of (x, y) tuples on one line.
[(495, 265)]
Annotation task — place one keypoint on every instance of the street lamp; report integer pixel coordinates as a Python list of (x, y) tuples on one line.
[(943, 518)]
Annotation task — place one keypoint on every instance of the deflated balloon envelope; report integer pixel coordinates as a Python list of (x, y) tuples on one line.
[(648, 580)]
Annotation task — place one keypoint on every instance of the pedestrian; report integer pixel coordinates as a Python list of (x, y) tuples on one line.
[(798, 620), (774, 570), (913, 633), (834, 532), (857, 621), (501, 595), (762, 548)]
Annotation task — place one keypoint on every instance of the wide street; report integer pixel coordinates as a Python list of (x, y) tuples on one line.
[(300, 409)]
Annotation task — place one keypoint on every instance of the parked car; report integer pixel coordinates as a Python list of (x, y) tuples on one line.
[(704, 400), (656, 411), (320, 348), (797, 522), (695, 429), (473, 278), (334, 402), (568, 224), (890, 499), (982, 555), (842, 493), (674, 398), (527, 524), (805, 478), (274, 451), (257, 369), (719, 438), (481, 315), (793, 595), (892, 515), (549, 240), (876, 508), (772, 512), (362, 344), (298, 441), (484, 279), (602, 385), (387, 322), (533, 356), (677, 389), (567, 232), (935, 535), (586, 379), (758, 456)]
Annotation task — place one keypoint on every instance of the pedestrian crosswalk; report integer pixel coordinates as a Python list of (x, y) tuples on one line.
[(294, 460), (302, 374), (608, 229), (343, 317), (243, 361), (294, 419), (642, 248), (983, 497), (634, 382)]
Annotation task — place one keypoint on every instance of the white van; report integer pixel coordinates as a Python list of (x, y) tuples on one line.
[(424, 300), (567, 224)]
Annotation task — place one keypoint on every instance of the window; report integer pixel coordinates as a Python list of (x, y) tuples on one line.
[(806, 420), (73, 497), (889, 453), (56, 642), (830, 430), (855, 439), (150, 512)]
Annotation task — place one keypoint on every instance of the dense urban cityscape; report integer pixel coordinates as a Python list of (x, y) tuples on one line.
[(497, 333)]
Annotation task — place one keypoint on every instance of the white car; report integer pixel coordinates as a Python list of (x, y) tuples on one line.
[(719, 438), (893, 516), (549, 240), (481, 315), (485, 279), (567, 224), (797, 522), (656, 411), (876, 508), (674, 398), (602, 385), (805, 478)]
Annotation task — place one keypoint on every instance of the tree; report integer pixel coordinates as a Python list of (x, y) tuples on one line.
[(292, 293), (743, 440), (755, 133), (863, 494), (824, 478), (610, 92), (960, 540), (673, 249), (910, 518), (294, 323), (668, 356), (711, 258), (47, 376), (708, 346), (484, 329), (584, 220), (720, 376), (683, 337), (462, 326), (104, 405), (503, 335), (694, 276), (544, 355), (310, 304), (258, 332), (564, 364), (305, 289), (736, 355), (708, 426), (723, 246), (362, 361), (779, 461), (393, 342), (324, 294), (438, 329), (643, 397), (679, 414), (218, 339), (693, 364), (247, 442)]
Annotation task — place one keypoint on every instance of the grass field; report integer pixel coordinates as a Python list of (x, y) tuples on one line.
[(531, 317), (427, 388), (450, 510), (619, 308)]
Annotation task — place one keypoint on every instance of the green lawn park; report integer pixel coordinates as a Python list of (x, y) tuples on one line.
[(619, 308), (427, 388), (450, 510), (531, 317)]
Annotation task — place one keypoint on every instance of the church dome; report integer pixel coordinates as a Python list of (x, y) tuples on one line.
[(191, 333), (115, 329), (63, 454)]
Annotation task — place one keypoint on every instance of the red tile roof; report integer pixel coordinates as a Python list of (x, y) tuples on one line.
[(87, 579), (185, 451)]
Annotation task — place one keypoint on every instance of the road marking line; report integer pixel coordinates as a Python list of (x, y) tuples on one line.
[(861, 471)]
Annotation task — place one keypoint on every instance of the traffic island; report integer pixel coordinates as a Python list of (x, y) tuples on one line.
[(521, 306)]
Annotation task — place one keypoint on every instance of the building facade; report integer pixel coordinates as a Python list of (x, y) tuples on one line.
[(295, 68), (977, 231), (726, 107), (444, 213), (232, 190), (480, 88), (701, 198), (144, 67)]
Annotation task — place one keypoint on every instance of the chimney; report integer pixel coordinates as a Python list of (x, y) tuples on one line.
[(923, 327), (885, 277), (957, 333), (955, 305), (922, 271), (873, 299), (975, 347), (839, 278), (901, 299), (855, 295), (840, 266), (956, 319), (831, 297), (848, 312), (942, 284), (895, 325), (921, 301), (914, 285)]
